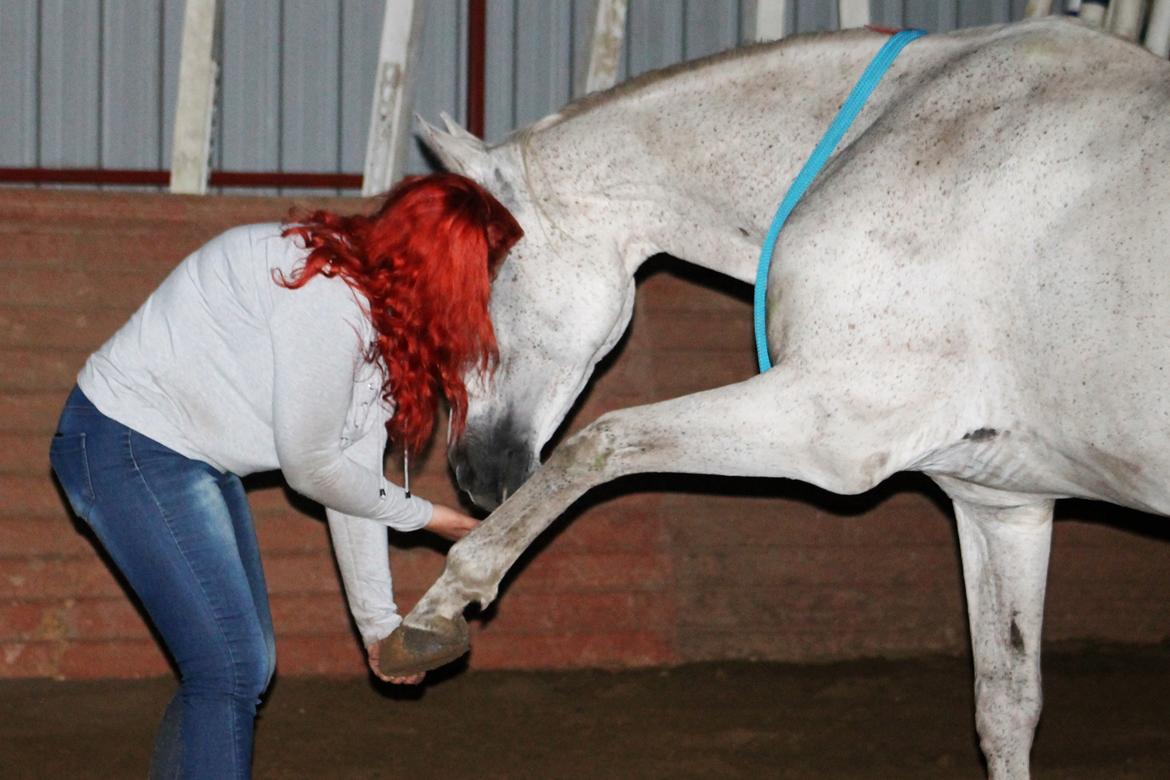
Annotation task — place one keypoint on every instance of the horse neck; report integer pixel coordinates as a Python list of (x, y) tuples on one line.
[(693, 163)]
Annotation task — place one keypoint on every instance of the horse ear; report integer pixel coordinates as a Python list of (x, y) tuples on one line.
[(458, 150)]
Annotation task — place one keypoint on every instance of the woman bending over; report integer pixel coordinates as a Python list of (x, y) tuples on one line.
[(302, 348)]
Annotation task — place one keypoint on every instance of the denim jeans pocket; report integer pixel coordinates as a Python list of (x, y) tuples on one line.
[(71, 465)]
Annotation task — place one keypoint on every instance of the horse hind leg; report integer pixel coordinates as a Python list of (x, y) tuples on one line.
[(1005, 546)]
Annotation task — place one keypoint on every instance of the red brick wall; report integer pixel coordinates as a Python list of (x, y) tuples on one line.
[(653, 570)]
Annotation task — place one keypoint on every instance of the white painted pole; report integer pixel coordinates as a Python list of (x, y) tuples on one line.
[(1038, 8), (195, 101), (1158, 31), (852, 13), (1093, 13), (1125, 18), (402, 26), (771, 20), (605, 50)]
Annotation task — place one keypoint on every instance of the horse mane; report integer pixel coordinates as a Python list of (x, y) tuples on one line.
[(594, 100), (643, 81)]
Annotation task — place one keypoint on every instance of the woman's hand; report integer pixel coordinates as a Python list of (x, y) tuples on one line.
[(373, 653), (450, 523)]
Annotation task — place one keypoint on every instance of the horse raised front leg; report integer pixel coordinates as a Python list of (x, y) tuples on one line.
[(785, 423), (1005, 564)]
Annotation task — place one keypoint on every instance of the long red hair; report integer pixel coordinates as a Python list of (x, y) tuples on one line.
[(424, 262)]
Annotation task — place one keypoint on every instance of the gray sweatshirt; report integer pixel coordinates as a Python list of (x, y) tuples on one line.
[(223, 365)]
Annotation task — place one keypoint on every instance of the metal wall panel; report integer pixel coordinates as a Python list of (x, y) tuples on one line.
[(710, 26), (814, 15), (310, 75), (654, 35), (360, 54), (18, 87), (543, 61), (172, 33), (249, 109), (499, 69), (70, 88), (441, 83), (93, 84), (131, 79)]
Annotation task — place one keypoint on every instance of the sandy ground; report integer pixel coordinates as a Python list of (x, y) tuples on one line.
[(1106, 716)]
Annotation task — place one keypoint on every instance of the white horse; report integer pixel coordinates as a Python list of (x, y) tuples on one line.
[(977, 287)]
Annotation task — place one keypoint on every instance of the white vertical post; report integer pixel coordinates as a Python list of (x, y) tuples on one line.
[(1038, 8), (605, 50), (402, 25), (195, 102), (852, 13), (1093, 12), (1158, 31), (771, 20), (1125, 18)]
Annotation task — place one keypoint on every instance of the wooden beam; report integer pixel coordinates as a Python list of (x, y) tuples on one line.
[(195, 102), (852, 13), (605, 49), (158, 178), (1092, 13), (402, 26), (476, 64), (1125, 18), (1158, 31), (770, 20)]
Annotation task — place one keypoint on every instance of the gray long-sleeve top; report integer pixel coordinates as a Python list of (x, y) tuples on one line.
[(223, 365)]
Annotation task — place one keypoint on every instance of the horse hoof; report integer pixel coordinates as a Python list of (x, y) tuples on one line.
[(411, 650)]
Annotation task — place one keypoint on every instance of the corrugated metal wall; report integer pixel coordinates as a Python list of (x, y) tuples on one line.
[(92, 84)]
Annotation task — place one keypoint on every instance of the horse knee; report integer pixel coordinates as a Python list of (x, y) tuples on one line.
[(600, 452)]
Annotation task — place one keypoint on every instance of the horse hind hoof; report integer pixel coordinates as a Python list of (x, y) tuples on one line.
[(410, 650)]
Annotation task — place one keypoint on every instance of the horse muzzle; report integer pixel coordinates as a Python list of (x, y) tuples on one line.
[(490, 472)]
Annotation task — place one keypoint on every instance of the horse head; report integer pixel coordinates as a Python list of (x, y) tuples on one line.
[(560, 302)]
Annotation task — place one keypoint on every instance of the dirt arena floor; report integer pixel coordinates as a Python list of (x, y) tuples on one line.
[(1107, 715)]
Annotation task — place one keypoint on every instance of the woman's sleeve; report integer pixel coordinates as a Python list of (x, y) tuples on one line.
[(316, 349), (360, 547)]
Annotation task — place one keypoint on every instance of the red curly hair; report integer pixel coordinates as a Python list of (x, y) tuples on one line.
[(424, 262)]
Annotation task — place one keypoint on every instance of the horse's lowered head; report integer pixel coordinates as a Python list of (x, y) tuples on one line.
[(560, 302)]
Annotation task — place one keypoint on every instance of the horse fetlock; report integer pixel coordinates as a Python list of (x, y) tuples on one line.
[(470, 574)]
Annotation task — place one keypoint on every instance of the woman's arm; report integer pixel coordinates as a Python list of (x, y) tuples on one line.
[(316, 350)]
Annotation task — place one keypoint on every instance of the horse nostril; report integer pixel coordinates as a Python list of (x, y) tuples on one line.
[(517, 467)]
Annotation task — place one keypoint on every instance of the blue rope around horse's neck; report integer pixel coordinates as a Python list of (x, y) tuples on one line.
[(849, 111)]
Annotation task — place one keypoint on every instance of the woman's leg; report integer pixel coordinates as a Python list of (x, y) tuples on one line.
[(168, 740), (168, 527), (249, 547)]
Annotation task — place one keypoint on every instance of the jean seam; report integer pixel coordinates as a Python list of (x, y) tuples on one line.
[(87, 491), (207, 598), (92, 494), (228, 483)]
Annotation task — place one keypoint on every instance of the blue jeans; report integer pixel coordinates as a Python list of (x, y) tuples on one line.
[(181, 534)]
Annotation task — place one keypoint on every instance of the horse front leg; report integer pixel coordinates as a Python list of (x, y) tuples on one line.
[(435, 633), (785, 423), (1005, 564)]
